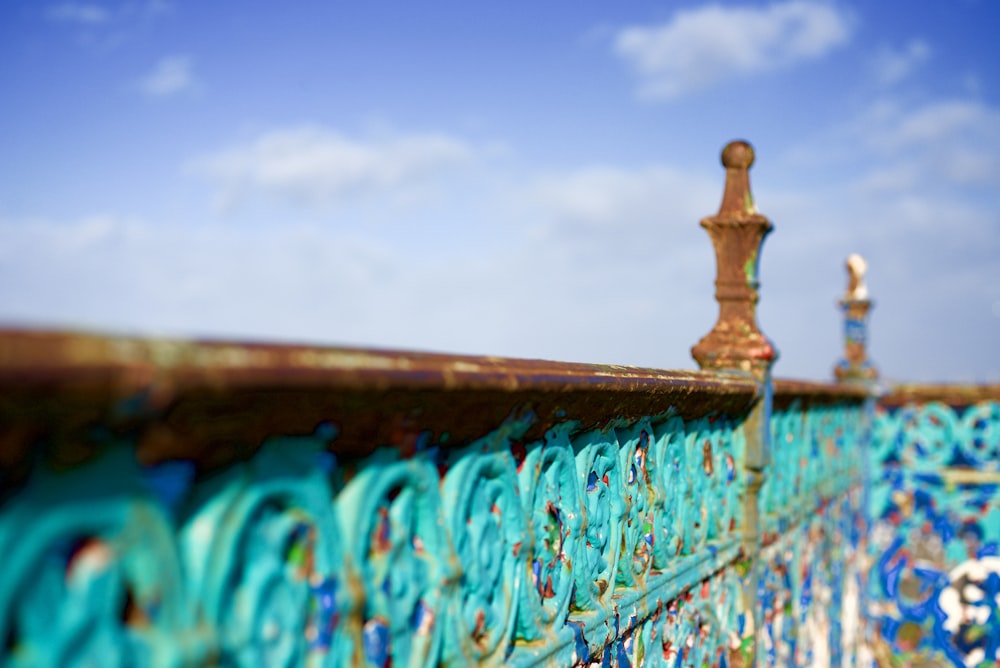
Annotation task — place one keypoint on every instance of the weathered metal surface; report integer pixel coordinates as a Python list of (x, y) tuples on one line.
[(935, 540), (215, 403), (737, 233), (736, 343), (588, 544), (817, 456), (951, 395), (810, 590), (787, 392), (813, 527)]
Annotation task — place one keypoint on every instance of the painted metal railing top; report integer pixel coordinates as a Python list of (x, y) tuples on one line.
[(216, 402), (50, 378), (787, 390), (951, 394)]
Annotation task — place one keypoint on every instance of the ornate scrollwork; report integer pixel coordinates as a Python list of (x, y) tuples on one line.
[(712, 489), (929, 434), (602, 504), (487, 524), (264, 564), (927, 531), (391, 513), (697, 628), (669, 476), (487, 554), (91, 573), (636, 556), (548, 480), (980, 429)]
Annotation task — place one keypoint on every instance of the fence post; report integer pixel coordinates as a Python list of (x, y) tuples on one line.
[(736, 343), (855, 367)]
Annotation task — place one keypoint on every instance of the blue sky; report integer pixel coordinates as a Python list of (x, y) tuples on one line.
[(519, 178)]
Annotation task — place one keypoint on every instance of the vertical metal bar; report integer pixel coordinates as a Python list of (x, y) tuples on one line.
[(736, 343)]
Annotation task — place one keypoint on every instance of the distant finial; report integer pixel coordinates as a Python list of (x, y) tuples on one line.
[(737, 233), (856, 269), (856, 305)]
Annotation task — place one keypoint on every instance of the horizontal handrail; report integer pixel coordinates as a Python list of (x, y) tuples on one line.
[(215, 402), (947, 393), (786, 391)]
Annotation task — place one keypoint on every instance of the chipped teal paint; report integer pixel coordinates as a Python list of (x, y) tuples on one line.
[(582, 546), (816, 456), (813, 523), (811, 586), (935, 542), (81, 551)]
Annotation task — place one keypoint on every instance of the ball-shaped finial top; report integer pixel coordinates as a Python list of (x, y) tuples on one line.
[(737, 155)]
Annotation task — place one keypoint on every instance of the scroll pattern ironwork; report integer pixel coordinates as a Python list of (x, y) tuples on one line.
[(816, 455), (810, 591), (585, 546), (814, 526), (935, 541)]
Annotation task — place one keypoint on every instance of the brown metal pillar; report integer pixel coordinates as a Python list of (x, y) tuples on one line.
[(737, 344)]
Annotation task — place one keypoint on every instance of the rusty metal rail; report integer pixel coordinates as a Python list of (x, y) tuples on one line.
[(215, 402)]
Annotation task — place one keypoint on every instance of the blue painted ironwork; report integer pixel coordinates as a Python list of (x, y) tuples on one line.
[(614, 545), (935, 539), (813, 524)]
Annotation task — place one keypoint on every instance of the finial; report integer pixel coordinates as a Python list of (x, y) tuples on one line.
[(855, 367), (737, 232), (856, 270)]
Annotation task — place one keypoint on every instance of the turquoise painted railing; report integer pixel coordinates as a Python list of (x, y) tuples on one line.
[(167, 503), (202, 504)]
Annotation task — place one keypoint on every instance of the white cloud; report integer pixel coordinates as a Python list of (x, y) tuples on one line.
[(953, 141), (317, 166), (701, 47), (79, 13), (171, 75), (941, 121), (892, 66), (612, 200)]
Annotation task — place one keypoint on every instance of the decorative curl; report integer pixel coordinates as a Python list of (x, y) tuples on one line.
[(489, 530)]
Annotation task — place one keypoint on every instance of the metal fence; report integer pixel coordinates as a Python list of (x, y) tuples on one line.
[(934, 544), (188, 504)]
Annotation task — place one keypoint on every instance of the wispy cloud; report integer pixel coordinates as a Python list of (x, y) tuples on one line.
[(941, 143), (940, 121), (652, 200), (79, 12), (171, 75), (107, 24), (314, 165), (701, 47), (892, 65)]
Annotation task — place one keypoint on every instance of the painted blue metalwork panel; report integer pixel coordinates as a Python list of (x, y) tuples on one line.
[(813, 524), (613, 546), (816, 455), (935, 540), (810, 590)]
